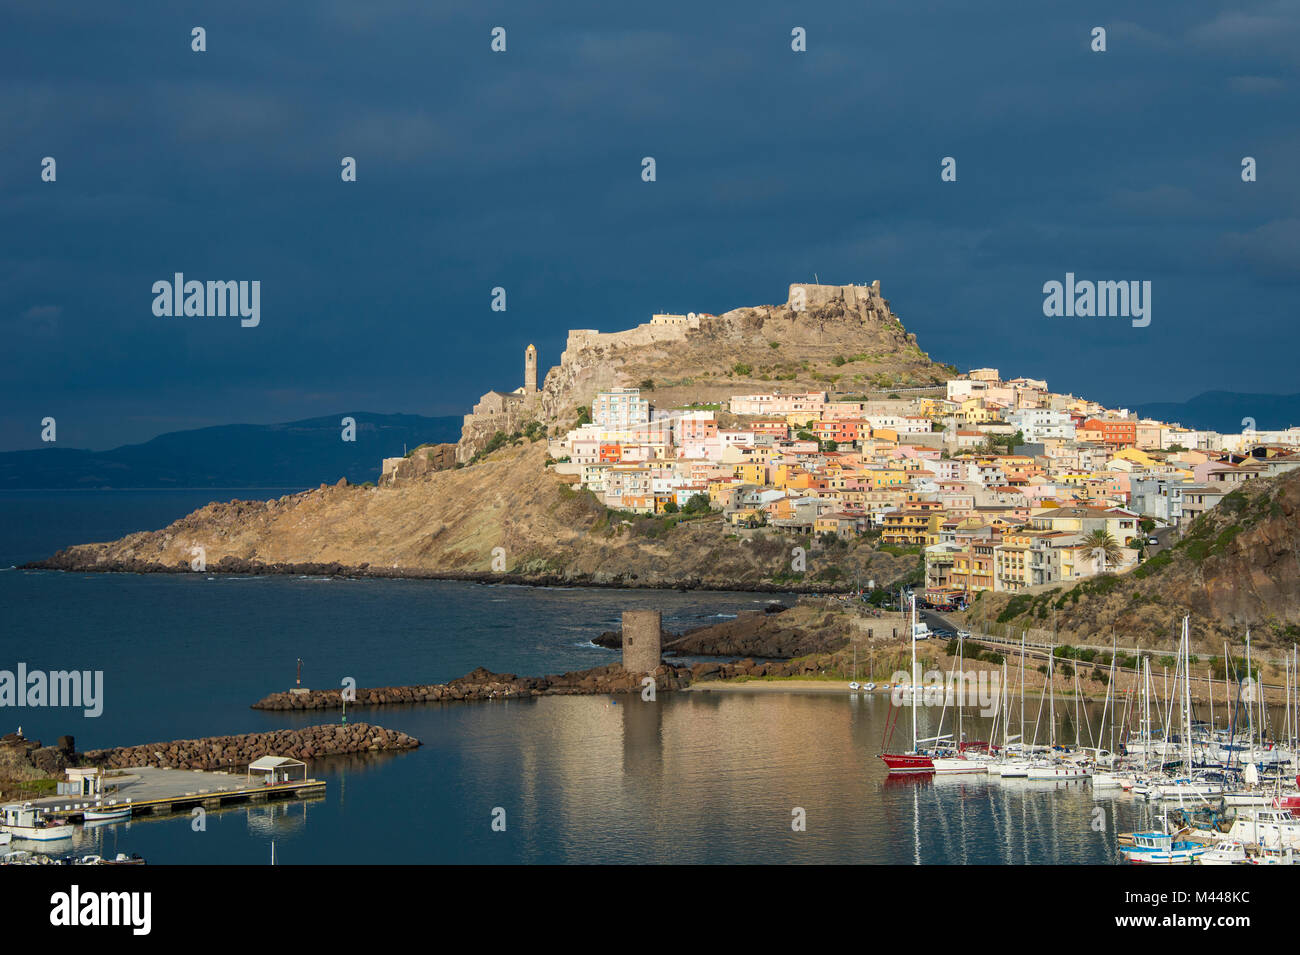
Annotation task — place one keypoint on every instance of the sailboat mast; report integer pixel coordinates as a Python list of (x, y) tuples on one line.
[(1250, 708), (1022, 689), (914, 673), (1051, 696), (1187, 694)]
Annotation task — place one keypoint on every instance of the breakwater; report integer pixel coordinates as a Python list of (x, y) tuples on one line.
[(482, 684), (225, 752)]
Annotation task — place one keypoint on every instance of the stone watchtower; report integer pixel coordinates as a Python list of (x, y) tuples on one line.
[(530, 370), (641, 652)]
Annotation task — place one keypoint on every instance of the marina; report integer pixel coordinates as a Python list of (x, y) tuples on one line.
[(1233, 794)]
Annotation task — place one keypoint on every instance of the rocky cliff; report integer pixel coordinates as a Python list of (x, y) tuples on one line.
[(505, 518)]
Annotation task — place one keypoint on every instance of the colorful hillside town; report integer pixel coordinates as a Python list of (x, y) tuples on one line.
[(1001, 485)]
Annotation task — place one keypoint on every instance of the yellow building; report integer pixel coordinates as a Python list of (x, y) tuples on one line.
[(752, 472)]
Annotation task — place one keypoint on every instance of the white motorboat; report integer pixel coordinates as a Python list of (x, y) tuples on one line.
[(107, 813), (1230, 852), (27, 822), (1267, 828)]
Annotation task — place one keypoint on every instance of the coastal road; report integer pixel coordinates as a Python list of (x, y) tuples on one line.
[(1040, 651)]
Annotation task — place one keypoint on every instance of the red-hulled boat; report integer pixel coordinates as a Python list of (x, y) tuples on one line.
[(915, 760), (1290, 801), (908, 762)]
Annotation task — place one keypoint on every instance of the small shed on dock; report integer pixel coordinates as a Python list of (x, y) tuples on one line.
[(274, 770), (82, 781)]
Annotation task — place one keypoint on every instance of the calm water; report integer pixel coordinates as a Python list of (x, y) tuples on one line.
[(695, 777)]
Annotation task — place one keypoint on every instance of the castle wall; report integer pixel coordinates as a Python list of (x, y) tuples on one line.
[(642, 335)]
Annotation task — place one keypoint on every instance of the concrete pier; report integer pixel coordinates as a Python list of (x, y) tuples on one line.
[(151, 789)]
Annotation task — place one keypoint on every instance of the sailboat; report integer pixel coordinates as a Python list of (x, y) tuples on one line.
[(1054, 766), (914, 760), (948, 761)]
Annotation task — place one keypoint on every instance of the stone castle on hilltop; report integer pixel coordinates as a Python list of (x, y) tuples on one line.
[(592, 359)]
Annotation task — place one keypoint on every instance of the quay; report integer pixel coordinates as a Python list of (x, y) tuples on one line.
[(151, 789)]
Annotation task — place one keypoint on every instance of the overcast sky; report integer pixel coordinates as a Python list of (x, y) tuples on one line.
[(523, 170)]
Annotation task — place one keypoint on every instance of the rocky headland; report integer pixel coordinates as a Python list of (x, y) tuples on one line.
[(510, 518)]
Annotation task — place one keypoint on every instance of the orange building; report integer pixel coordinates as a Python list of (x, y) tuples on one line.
[(1117, 433)]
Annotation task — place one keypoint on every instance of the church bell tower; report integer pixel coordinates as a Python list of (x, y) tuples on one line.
[(530, 370)]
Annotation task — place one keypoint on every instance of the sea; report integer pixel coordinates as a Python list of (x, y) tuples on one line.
[(693, 777)]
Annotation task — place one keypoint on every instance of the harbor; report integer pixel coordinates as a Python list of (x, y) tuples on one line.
[(106, 787), (1225, 795)]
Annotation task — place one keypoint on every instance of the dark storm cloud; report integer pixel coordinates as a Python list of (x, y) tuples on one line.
[(522, 170)]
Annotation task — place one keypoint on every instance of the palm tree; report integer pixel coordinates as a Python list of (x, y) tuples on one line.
[(1104, 548)]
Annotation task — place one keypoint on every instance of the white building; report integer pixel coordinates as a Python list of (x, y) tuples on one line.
[(1042, 424), (622, 408)]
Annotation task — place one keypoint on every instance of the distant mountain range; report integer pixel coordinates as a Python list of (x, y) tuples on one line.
[(1224, 411), (295, 454)]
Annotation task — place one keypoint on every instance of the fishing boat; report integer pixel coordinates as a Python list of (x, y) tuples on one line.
[(107, 813), (1159, 848), (27, 822)]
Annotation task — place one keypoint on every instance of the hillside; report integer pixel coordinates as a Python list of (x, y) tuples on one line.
[(1237, 566), (841, 339), (447, 524), (296, 453), (844, 339)]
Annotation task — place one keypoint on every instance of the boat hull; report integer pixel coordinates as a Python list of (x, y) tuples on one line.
[(1057, 772), (41, 833), (900, 763), (951, 765), (106, 815)]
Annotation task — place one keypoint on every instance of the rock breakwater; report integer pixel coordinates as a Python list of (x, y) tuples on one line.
[(483, 684), (226, 752)]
